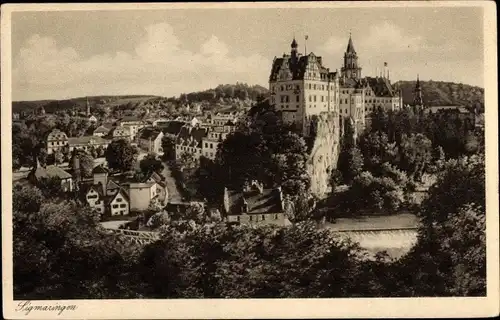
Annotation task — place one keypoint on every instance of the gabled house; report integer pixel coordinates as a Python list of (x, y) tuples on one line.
[(101, 131), (119, 133), (39, 173), (86, 143), (255, 205), (56, 140), (161, 187), (189, 140), (150, 140)]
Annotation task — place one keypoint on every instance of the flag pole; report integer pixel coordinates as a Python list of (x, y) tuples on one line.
[(305, 45)]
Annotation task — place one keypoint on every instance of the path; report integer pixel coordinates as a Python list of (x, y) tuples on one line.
[(174, 194)]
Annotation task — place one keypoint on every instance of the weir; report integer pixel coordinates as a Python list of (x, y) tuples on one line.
[(396, 242)]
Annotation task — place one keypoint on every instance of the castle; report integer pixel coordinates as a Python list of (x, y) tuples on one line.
[(302, 87)]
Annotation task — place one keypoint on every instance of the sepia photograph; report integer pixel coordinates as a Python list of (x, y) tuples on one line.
[(205, 155)]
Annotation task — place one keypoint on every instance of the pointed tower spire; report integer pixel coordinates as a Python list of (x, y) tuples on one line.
[(350, 45)]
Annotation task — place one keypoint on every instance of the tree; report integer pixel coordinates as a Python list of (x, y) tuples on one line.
[(377, 149), (158, 219), (335, 178), (168, 146), (350, 164), (416, 154), (120, 155), (187, 161), (58, 157), (60, 251), (150, 164), (86, 163)]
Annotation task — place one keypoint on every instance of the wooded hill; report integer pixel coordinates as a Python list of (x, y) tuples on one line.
[(440, 93)]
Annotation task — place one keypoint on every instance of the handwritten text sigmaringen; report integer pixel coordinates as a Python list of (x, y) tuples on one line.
[(27, 307)]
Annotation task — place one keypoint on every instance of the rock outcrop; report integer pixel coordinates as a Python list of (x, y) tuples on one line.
[(324, 152)]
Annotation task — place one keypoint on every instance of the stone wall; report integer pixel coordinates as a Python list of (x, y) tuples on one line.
[(324, 152)]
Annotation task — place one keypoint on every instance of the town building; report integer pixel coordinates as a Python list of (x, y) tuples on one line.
[(92, 119), (216, 135), (150, 140), (111, 198), (56, 140), (87, 143), (189, 140), (101, 131), (38, 174), (142, 195), (133, 124), (301, 87), (105, 196), (255, 205), (119, 132)]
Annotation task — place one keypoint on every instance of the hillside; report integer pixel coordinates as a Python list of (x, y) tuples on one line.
[(80, 103), (444, 93), (222, 93), (240, 91)]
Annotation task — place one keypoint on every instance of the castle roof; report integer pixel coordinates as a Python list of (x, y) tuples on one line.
[(381, 86), (298, 67), (267, 201)]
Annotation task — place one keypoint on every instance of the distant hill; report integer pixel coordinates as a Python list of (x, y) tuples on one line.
[(440, 93), (240, 91), (80, 103)]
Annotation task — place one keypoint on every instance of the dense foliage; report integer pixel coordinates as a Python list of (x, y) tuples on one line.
[(120, 155)]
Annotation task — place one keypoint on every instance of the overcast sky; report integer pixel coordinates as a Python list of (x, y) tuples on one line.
[(59, 55)]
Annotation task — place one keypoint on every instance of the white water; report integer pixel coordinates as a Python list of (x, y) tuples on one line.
[(395, 242)]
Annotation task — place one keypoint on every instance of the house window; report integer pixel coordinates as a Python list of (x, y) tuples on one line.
[(263, 217), (297, 98), (98, 209), (115, 206), (238, 218), (118, 199), (123, 205), (251, 218), (276, 217), (122, 212)]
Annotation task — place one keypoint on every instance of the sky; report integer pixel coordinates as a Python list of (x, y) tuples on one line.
[(65, 54)]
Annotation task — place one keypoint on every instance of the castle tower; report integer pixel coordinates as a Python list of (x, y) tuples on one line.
[(351, 68), (293, 52), (417, 94)]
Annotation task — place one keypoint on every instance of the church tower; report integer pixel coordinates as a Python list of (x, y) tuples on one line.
[(88, 108), (351, 68), (417, 94)]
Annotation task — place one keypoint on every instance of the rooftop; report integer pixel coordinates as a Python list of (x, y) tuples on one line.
[(87, 140), (50, 172), (267, 201)]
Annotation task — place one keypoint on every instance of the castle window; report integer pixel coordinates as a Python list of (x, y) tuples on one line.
[(310, 86), (310, 98), (297, 98), (314, 98), (314, 86)]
